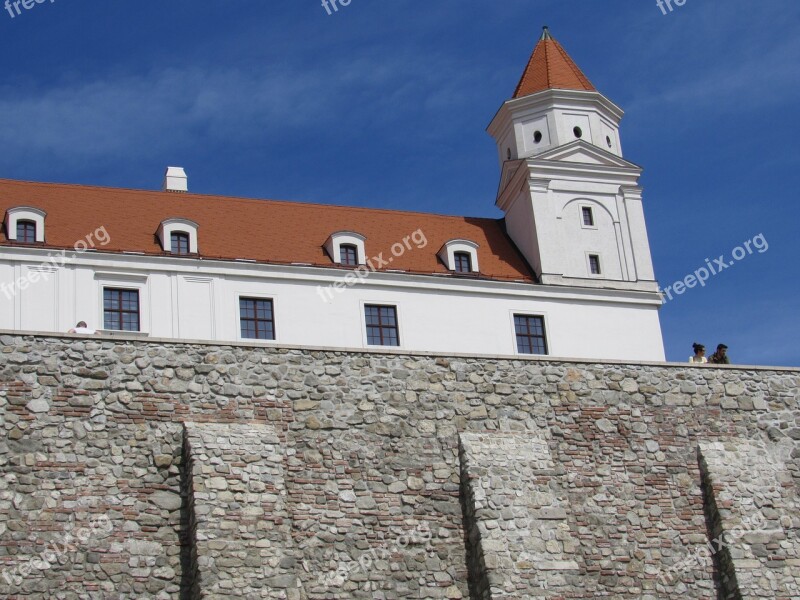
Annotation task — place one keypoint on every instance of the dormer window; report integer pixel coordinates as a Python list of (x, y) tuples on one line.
[(462, 261), (25, 225), (346, 248), (178, 236), (26, 232), (179, 242), (348, 253), (460, 256)]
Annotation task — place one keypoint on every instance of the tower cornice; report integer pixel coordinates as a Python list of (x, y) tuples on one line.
[(552, 99)]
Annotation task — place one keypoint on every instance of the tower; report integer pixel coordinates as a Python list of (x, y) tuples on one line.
[(572, 203)]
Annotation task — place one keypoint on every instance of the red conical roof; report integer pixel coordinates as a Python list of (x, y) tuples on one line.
[(550, 67)]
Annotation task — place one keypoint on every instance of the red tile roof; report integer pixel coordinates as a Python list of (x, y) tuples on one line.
[(550, 67), (267, 231)]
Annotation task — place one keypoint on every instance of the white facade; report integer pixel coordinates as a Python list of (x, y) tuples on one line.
[(573, 208), (575, 166), (187, 298)]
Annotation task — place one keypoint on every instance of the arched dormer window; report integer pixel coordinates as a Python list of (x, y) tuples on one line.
[(178, 236), (346, 248), (460, 256), (25, 225)]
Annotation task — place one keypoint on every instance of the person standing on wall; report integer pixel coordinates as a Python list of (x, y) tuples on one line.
[(720, 357), (699, 354)]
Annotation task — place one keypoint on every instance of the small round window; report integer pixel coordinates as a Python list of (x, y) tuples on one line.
[(608, 141), (537, 136), (578, 132)]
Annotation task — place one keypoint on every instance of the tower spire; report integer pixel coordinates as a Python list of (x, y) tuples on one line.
[(550, 67)]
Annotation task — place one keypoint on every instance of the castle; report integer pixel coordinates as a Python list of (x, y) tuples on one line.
[(567, 272), (311, 445)]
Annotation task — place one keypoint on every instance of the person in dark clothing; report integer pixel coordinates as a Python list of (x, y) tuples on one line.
[(720, 357)]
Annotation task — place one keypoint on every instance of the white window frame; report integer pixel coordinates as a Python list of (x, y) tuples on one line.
[(334, 244), (589, 255), (400, 331), (256, 296), (178, 225), (580, 216), (129, 281), (529, 313), (24, 213), (448, 251)]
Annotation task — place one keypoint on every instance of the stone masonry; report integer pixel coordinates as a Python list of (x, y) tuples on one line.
[(150, 469), (756, 506)]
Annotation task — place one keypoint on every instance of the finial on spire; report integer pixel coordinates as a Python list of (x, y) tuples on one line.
[(546, 33)]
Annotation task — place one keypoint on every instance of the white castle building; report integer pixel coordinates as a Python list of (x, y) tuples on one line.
[(567, 272)]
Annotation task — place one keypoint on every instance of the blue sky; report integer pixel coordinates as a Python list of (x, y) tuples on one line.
[(385, 104)]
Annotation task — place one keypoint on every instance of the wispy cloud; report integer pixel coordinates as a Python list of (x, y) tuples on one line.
[(113, 117), (731, 57), (123, 116), (759, 82)]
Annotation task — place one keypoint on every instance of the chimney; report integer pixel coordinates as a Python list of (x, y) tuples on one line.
[(175, 180)]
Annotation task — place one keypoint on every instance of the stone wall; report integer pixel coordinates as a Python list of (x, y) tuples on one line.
[(153, 469)]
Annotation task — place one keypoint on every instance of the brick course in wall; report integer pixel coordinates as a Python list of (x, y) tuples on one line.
[(348, 474)]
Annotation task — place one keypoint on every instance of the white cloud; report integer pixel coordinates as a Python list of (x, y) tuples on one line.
[(122, 117), (116, 116)]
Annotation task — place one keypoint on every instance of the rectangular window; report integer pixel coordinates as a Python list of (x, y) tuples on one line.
[(26, 232), (588, 217), (179, 242), (594, 264), (382, 325), (257, 318), (348, 255), (120, 309), (530, 334), (463, 262)]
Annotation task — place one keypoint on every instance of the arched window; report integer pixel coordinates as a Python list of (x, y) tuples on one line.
[(26, 232), (25, 224), (346, 248), (180, 242), (460, 256), (178, 236)]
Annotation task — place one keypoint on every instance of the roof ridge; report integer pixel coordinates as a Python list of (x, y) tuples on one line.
[(548, 76), (525, 73), (573, 66)]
